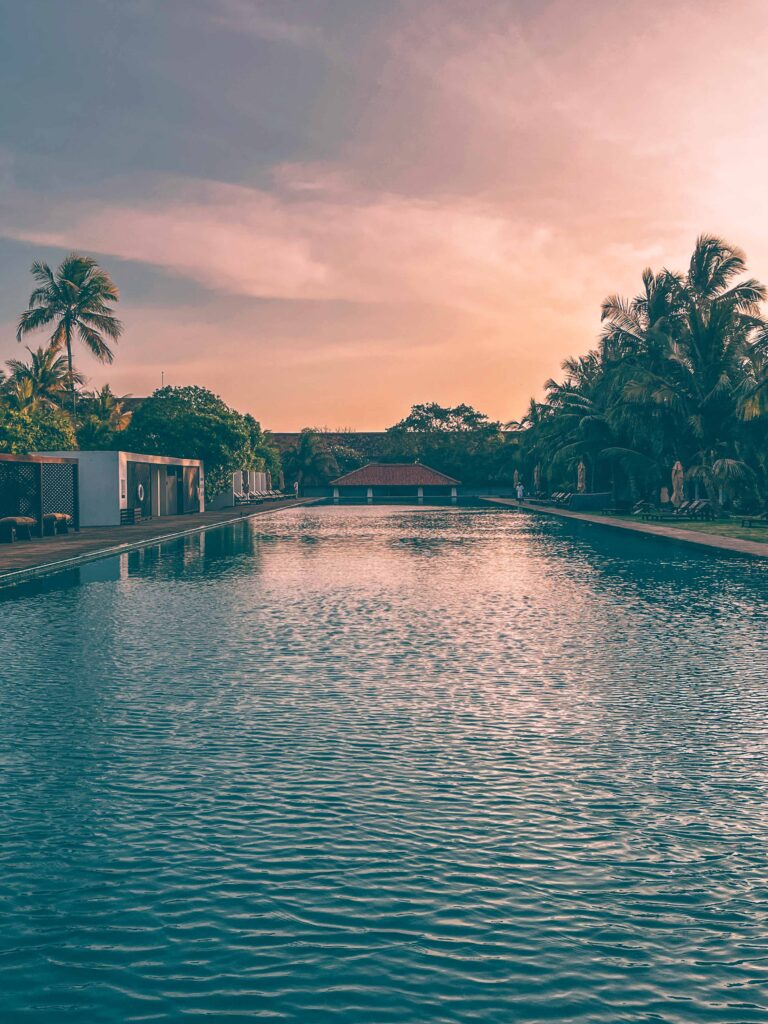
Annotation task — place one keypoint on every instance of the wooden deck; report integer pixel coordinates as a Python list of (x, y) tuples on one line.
[(732, 545), (43, 555)]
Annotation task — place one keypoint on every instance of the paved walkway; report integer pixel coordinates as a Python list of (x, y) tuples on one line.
[(734, 545), (43, 555)]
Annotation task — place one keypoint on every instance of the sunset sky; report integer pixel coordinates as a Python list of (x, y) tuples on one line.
[(327, 210)]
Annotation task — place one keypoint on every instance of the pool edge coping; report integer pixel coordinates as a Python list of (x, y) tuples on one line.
[(724, 545), (17, 576)]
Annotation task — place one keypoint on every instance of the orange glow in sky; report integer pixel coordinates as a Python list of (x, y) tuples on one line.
[(420, 202)]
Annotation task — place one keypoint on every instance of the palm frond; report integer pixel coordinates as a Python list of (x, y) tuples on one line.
[(32, 319), (95, 342)]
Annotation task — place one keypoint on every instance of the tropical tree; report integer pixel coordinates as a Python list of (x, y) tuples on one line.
[(429, 417), (681, 373), (75, 299), (45, 378), (35, 429), (696, 360), (458, 440), (101, 416), (261, 453), (194, 423), (309, 462)]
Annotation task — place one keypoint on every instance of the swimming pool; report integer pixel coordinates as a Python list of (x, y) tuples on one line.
[(387, 764)]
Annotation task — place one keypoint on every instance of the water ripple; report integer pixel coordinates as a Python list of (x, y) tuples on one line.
[(371, 765)]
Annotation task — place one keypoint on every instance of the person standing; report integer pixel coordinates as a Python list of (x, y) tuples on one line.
[(520, 492)]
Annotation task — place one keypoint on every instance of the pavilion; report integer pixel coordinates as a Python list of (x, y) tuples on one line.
[(393, 480)]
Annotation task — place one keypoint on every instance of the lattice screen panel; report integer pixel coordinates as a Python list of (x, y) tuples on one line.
[(59, 488), (18, 489)]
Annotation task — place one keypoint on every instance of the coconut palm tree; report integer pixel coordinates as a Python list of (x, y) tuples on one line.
[(19, 395), (703, 375), (681, 373), (110, 409), (102, 415), (47, 374), (76, 300), (309, 461)]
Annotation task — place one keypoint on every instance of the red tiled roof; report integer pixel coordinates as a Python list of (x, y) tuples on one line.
[(394, 474)]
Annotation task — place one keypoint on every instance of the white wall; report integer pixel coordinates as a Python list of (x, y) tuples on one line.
[(103, 479), (98, 479)]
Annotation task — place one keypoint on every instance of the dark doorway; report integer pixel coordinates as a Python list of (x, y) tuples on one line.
[(174, 490), (139, 488), (191, 489)]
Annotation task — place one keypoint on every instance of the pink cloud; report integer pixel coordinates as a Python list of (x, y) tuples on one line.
[(501, 174), (305, 244)]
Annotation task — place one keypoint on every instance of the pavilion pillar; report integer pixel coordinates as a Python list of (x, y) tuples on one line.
[(420, 495), (454, 496), (335, 495), (370, 496)]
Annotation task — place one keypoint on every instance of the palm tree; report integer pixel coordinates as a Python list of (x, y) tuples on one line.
[(20, 395), (689, 362), (47, 374), (309, 461), (102, 415), (76, 300), (109, 409), (704, 376)]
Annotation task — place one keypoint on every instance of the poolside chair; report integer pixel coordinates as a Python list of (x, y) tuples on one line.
[(704, 510), (694, 509), (682, 510), (757, 521)]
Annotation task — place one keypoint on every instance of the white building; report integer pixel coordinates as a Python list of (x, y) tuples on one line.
[(121, 487)]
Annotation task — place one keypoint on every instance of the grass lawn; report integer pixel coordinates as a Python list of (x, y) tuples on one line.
[(724, 528)]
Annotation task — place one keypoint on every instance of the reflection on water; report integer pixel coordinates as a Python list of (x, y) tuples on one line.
[(380, 764)]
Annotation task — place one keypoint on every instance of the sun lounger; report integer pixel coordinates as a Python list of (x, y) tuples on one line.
[(248, 497), (696, 509), (683, 510), (758, 519), (703, 510)]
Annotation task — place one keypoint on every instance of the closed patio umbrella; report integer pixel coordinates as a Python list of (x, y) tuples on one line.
[(537, 478), (581, 478), (678, 478), (516, 478)]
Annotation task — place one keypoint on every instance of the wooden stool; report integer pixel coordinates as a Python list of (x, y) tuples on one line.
[(56, 522), (16, 528)]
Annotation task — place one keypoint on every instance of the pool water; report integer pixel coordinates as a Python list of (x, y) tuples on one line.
[(364, 765)]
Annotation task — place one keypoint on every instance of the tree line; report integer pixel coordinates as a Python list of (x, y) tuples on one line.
[(680, 373)]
